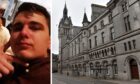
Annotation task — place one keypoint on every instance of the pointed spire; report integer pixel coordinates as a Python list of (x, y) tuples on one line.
[(85, 19), (65, 11)]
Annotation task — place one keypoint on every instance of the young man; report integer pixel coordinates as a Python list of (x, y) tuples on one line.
[(30, 42)]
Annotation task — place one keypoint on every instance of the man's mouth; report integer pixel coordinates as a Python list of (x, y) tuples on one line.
[(24, 44)]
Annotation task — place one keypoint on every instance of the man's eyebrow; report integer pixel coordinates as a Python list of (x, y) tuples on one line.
[(34, 22)]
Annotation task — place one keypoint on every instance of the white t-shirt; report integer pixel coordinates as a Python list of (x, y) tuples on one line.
[(4, 38)]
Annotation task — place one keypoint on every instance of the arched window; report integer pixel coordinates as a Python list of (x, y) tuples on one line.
[(97, 54), (114, 66), (84, 67), (112, 51), (91, 66), (105, 67), (103, 37), (93, 56), (105, 52), (80, 68)]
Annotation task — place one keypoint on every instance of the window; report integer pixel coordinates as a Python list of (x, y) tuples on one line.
[(103, 37), (99, 68), (129, 44), (110, 18), (72, 49), (79, 44), (80, 68), (124, 6), (93, 56), (90, 45), (98, 54), (105, 65), (103, 53), (84, 33), (95, 28), (75, 48), (112, 33), (112, 51), (102, 24), (125, 46), (83, 45), (84, 66), (90, 56), (134, 44), (95, 40), (90, 32), (127, 23), (115, 68), (91, 66), (107, 69)]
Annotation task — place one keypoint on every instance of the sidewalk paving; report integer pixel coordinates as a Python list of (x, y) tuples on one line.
[(124, 81), (107, 80), (111, 81)]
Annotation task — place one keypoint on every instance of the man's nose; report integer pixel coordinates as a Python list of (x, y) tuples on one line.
[(25, 30)]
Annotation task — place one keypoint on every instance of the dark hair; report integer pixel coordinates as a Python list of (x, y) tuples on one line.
[(9, 26), (3, 21), (32, 7)]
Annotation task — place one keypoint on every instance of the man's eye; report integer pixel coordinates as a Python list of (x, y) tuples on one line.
[(35, 26), (17, 27)]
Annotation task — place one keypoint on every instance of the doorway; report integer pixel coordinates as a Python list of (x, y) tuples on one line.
[(134, 69)]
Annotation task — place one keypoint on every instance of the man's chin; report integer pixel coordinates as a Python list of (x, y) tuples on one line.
[(25, 55)]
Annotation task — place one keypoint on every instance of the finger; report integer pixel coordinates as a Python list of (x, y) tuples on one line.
[(4, 70), (7, 64)]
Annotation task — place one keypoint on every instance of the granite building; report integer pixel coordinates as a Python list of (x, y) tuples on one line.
[(105, 47), (9, 8)]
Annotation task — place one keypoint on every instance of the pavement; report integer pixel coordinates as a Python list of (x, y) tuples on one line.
[(113, 81), (99, 81), (124, 81)]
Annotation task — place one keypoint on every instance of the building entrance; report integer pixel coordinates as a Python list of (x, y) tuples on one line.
[(134, 69)]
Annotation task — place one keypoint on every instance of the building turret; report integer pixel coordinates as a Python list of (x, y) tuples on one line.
[(85, 20), (65, 12)]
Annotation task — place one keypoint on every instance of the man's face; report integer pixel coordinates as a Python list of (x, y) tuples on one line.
[(30, 35)]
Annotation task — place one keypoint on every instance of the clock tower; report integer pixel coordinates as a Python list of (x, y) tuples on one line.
[(64, 33)]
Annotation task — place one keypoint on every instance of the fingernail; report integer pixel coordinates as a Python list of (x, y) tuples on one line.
[(0, 75)]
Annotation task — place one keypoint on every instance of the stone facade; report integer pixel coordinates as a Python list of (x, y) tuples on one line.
[(54, 63), (107, 47), (10, 7)]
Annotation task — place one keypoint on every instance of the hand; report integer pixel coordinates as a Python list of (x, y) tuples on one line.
[(6, 66)]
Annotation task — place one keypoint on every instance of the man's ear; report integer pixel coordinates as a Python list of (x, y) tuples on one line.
[(49, 47), (49, 44)]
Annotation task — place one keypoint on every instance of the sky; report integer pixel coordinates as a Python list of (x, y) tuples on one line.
[(76, 10)]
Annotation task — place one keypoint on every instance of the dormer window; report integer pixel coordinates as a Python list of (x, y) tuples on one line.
[(110, 18), (95, 28), (124, 6), (102, 24)]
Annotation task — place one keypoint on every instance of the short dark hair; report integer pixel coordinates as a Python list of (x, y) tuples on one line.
[(32, 7), (3, 21)]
